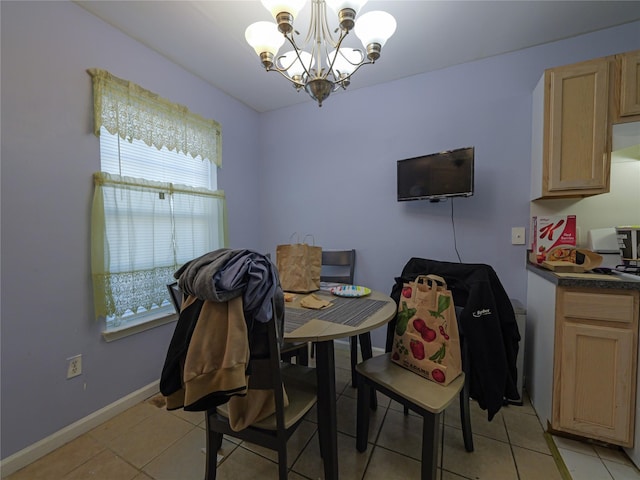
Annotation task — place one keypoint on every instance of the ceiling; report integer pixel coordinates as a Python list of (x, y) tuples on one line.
[(207, 37)]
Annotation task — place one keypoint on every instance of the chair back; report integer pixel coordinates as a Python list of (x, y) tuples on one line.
[(338, 266), (175, 294)]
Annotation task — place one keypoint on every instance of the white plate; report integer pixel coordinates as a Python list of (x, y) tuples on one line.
[(350, 291)]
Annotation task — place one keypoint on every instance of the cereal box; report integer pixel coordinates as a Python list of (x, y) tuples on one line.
[(550, 232)]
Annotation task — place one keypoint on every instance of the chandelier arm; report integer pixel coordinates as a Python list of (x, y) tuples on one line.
[(283, 72), (337, 48), (296, 49), (347, 77)]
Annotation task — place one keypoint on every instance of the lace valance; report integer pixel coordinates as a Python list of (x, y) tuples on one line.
[(130, 111)]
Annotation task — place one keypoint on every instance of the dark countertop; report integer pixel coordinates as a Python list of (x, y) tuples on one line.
[(616, 282)]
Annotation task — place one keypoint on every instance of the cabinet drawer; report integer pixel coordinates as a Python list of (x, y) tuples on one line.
[(602, 307)]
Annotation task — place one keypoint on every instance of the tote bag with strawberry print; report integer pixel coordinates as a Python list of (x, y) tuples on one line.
[(426, 339)]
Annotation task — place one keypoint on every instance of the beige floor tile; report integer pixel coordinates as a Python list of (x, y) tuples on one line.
[(385, 465), (493, 429), (347, 417), (142, 476), (351, 463), (297, 442), (480, 424), (490, 460), (452, 476), (184, 459), (526, 406), (146, 440), (62, 461), (196, 418), (584, 467), (622, 472), (613, 454), (245, 465), (295, 476), (105, 465), (122, 423), (402, 434), (525, 431), (534, 465)]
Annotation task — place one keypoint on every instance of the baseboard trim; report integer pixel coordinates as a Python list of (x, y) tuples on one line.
[(33, 452)]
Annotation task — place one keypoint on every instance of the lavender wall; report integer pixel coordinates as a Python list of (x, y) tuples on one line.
[(48, 157), (338, 179), (337, 182)]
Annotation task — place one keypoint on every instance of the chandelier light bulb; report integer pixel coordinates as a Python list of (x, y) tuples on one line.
[(292, 7), (337, 5), (284, 11), (265, 39), (375, 27)]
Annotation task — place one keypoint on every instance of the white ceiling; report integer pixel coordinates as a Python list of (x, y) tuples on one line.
[(207, 37)]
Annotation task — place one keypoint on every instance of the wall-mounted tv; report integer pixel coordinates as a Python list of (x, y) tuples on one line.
[(436, 176)]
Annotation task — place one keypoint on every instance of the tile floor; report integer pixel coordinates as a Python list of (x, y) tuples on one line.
[(148, 443)]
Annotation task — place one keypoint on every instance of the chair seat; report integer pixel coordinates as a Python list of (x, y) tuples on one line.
[(419, 391), (300, 386)]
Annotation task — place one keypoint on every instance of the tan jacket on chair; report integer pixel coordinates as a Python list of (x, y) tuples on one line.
[(216, 363)]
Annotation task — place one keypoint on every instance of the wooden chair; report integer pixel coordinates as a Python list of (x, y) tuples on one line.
[(274, 431), (340, 266), (428, 399)]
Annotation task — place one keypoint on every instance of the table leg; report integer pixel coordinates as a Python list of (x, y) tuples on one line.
[(327, 416)]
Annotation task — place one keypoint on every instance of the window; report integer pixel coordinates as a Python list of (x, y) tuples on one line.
[(156, 204)]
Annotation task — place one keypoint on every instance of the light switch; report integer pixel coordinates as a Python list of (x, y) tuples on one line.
[(517, 236)]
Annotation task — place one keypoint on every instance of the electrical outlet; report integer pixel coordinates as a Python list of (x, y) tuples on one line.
[(517, 236), (75, 366)]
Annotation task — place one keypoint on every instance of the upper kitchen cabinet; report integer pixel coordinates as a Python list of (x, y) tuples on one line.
[(628, 87), (571, 130)]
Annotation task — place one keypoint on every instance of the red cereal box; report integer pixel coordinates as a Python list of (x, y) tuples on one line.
[(550, 232)]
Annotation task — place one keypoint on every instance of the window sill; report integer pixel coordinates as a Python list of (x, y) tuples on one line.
[(141, 325)]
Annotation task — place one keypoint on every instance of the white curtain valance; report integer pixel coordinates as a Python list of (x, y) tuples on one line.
[(130, 111)]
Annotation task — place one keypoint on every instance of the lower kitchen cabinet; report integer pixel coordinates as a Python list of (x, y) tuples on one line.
[(595, 361)]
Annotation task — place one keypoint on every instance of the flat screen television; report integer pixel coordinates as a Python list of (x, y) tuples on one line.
[(436, 176)]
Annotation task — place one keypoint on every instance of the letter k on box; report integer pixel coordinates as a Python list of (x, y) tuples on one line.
[(550, 232)]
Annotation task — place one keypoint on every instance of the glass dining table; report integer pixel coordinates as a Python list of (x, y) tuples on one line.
[(345, 317)]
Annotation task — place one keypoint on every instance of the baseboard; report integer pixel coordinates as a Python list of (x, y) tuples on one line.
[(33, 452), (377, 351)]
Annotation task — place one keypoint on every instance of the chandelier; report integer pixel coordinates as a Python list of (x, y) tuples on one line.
[(320, 65)]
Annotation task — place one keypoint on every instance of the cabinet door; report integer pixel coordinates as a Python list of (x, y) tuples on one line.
[(577, 160), (630, 83), (595, 391)]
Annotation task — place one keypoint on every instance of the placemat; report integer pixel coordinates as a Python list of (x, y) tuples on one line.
[(344, 311)]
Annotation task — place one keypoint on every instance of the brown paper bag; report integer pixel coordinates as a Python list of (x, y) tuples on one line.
[(299, 266), (426, 339)]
